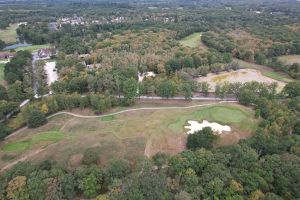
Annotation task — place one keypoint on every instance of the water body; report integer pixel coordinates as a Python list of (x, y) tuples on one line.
[(17, 45)]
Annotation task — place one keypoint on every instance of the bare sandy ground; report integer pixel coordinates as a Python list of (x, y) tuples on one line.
[(216, 128), (51, 72), (242, 76)]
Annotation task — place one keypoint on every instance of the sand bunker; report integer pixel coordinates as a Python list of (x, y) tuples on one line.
[(242, 76), (216, 128)]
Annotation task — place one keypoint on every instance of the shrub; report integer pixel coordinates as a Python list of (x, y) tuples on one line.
[(36, 119), (90, 156)]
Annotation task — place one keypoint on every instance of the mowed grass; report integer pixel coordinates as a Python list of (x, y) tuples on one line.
[(51, 136), (265, 70), (33, 48), (2, 71), (225, 115), (9, 35), (290, 59), (129, 135)]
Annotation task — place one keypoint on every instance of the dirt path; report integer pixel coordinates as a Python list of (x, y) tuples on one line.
[(97, 116)]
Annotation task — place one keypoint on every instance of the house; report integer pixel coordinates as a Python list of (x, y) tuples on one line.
[(6, 55), (46, 53)]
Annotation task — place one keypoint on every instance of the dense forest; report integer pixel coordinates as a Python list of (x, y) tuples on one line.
[(102, 51)]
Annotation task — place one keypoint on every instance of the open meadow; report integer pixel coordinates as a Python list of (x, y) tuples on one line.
[(128, 135), (9, 35)]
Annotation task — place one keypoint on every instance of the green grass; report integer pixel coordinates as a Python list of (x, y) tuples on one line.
[(2, 71), (51, 136), (17, 146), (33, 47), (108, 118), (9, 34), (193, 40), (225, 115)]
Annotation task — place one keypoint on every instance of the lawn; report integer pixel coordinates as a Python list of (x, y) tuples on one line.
[(2, 71), (33, 48), (266, 71), (9, 35), (129, 135), (290, 59)]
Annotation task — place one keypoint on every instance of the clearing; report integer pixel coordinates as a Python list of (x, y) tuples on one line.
[(265, 70), (128, 135), (290, 59), (242, 76), (193, 41), (9, 35)]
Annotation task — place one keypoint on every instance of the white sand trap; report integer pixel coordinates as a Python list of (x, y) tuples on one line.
[(242, 76), (216, 128), (51, 72)]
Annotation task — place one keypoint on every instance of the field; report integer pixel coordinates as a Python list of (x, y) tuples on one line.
[(266, 71), (33, 47), (193, 41), (9, 35), (290, 59), (129, 135), (242, 76)]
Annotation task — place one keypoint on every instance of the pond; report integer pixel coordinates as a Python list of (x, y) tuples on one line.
[(17, 45)]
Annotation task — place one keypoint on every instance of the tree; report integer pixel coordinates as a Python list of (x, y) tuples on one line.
[(15, 91), (118, 168), (130, 90), (187, 90), (292, 89), (3, 131), (17, 188), (2, 44), (201, 139), (36, 118), (166, 88), (205, 88), (3, 93), (260, 58), (90, 186)]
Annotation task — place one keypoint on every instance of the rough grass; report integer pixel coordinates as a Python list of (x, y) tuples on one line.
[(2, 71), (9, 34), (33, 48), (290, 59), (128, 135)]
